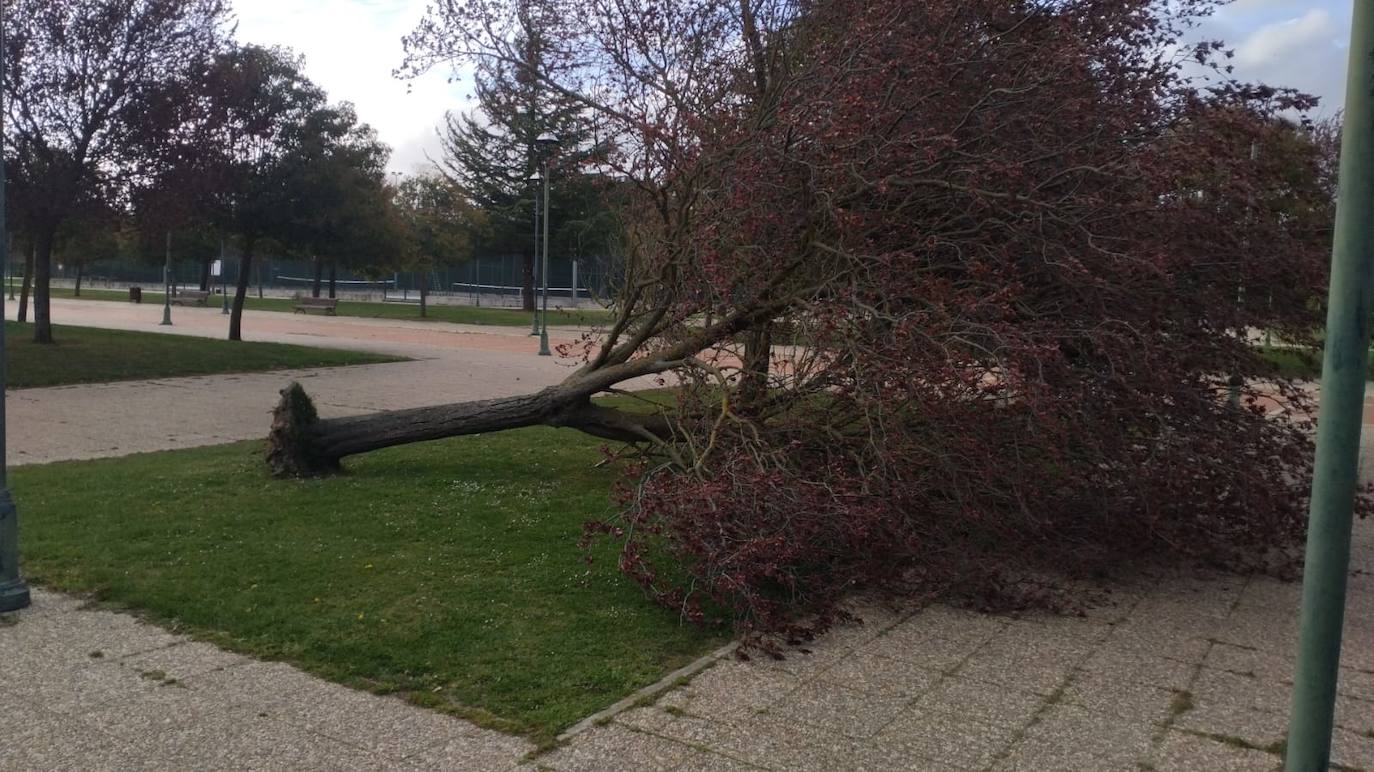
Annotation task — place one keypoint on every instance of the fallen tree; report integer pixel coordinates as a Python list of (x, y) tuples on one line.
[(301, 445), (1015, 249)]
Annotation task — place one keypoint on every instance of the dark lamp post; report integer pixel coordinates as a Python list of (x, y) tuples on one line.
[(14, 593), (546, 141), (535, 178), (167, 284)]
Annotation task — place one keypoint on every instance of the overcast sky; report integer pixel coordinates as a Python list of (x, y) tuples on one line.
[(352, 46)]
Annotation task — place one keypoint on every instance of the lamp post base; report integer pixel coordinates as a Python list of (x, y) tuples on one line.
[(14, 595), (544, 343)]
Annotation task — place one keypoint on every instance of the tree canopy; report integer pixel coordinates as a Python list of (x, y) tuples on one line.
[(92, 89), (949, 293)]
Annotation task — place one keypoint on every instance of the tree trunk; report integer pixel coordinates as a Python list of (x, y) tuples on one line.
[(205, 274), (302, 445), (424, 293), (241, 290), (24, 286), (527, 288), (79, 271), (259, 270), (42, 287), (758, 356), (333, 279), (319, 272)]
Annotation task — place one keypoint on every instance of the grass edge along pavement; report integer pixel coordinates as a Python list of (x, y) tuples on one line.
[(447, 573), (1304, 364), (436, 312), (98, 355)]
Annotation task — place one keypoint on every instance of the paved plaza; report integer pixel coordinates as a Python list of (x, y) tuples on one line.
[(1181, 671)]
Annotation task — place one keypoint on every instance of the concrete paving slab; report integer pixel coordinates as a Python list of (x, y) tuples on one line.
[(479, 751), (1067, 732), (881, 676), (184, 660), (1142, 704), (956, 740), (701, 761), (982, 701), (915, 643), (617, 747), (839, 709), (1180, 751), (1229, 719), (39, 740), (733, 689)]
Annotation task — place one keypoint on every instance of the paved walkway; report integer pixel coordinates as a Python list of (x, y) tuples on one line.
[(1183, 672), (451, 363)]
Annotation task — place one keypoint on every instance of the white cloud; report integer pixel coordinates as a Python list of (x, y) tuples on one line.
[(1284, 41), (1297, 44), (351, 48)]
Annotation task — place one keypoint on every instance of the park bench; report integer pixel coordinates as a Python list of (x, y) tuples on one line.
[(327, 305), (190, 298)]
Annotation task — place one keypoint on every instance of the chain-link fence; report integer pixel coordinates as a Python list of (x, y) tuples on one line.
[(494, 280)]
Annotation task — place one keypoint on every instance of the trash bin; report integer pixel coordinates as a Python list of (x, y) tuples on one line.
[(135, 294)]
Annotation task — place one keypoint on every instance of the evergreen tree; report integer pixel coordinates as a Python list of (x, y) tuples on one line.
[(492, 153)]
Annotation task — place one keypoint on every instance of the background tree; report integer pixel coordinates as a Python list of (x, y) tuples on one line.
[(260, 105), (492, 152), (91, 239), (83, 83), (336, 189), (1012, 299), (441, 226)]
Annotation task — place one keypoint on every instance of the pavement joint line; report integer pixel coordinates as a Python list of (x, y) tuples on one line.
[(652, 691), (696, 746)]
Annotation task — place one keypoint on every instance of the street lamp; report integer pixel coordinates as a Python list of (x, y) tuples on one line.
[(14, 593), (535, 178), (546, 141), (167, 284)]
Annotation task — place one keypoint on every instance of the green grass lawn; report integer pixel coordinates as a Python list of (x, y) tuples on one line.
[(445, 571), (91, 355), (460, 314), (1300, 363)]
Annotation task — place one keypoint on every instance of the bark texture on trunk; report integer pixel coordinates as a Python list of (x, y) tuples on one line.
[(42, 283), (527, 281), (79, 271), (424, 294), (333, 279), (758, 353), (205, 274), (241, 291), (24, 287), (300, 444), (315, 281)]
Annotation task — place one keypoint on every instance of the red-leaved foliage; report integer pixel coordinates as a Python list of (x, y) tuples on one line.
[(1025, 252)]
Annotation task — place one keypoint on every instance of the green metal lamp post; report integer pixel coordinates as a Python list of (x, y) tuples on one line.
[(167, 284), (14, 593), (1336, 469), (546, 141), (536, 178)]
